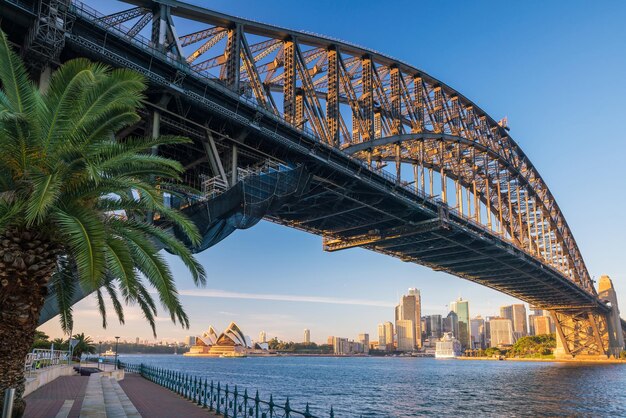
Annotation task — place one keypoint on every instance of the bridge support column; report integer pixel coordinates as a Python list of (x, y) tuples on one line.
[(606, 291), (581, 334)]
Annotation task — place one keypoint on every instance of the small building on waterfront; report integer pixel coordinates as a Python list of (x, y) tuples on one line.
[(448, 347)]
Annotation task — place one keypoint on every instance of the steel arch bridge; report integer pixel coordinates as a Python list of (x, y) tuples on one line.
[(338, 140)]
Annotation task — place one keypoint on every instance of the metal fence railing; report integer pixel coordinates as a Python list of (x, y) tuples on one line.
[(229, 402), (41, 358)]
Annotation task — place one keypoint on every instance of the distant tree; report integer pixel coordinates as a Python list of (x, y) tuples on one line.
[(533, 346), (623, 355), (60, 344), (84, 345), (493, 351)]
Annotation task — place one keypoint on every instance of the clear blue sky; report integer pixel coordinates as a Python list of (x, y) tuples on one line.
[(556, 69)]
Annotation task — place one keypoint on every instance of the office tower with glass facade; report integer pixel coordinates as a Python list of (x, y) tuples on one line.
[(461, 308), (307, 336), (477, 331), (389, 333)]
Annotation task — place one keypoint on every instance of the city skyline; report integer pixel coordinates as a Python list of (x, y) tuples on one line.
[(553, 134)]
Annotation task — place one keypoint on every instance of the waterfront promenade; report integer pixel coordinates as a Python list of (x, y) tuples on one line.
[(100, 396)]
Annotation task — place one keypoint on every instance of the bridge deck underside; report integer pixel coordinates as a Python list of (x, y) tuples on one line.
[(447, 247)]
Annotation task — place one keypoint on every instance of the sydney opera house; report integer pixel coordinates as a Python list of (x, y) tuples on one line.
[(230, 343)]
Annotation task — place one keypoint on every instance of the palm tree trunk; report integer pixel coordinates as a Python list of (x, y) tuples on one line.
[(27, 261)]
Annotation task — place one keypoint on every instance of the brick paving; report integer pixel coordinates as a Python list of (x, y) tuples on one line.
[(46, 401), (154, 401)]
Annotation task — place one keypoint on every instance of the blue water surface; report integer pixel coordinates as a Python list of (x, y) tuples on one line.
[(411, 387)]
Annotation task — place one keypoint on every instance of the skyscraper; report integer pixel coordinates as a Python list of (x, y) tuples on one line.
[(262, 337), (461, 308), (307, 336), (365, 340), (435, 326), (410, 309), (477, 331), (389, 335), (382, 340), (501, 332), (451, 324), (542, 324), (517, 314), (406, 339)]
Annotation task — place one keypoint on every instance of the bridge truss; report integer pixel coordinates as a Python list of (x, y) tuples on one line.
[(400, 163)]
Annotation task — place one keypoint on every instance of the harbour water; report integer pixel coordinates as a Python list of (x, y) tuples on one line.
[(411, 387)]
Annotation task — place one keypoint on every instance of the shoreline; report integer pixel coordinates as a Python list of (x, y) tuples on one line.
[(548, 360)]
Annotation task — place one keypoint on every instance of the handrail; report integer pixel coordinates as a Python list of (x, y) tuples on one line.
[(229, 402)]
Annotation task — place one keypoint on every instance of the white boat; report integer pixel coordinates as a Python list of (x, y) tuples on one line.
[(109, 353)]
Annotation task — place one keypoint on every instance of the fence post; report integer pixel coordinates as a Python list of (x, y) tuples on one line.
[(204, 394), (256, 404), (287, 408), (218, 402), (226, 401), (307, 413), (271, 406), (211, 397), (245, 403), (235, 402), (7, 409), (332, 414)]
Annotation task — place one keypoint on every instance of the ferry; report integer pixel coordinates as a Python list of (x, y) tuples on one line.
[(233, 354), (109, 353)]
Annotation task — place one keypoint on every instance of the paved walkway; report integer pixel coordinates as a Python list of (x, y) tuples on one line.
[(48, 400), (154, 401), (99, 396)]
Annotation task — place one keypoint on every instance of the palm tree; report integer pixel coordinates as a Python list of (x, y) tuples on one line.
[(76, 205), (84, 345)]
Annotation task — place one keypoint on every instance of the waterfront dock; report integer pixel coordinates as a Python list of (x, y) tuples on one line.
[(101, 396)]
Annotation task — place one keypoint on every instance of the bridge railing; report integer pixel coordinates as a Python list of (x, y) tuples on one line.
[(222, 399)]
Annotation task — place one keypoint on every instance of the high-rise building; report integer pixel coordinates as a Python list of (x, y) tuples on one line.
[(404, 330), (435, 327), (365, 340), (190, 340), (137, 341), (451, 324), (517, 314), (262, 337), (477, 329), (501, 332), (382, 338), (307, 336), (389, 335), (461, 308), (425, 327), (344, 346), (410, 309), (542, 325)]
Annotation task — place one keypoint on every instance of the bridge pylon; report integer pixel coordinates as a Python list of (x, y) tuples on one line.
[(583, 333)]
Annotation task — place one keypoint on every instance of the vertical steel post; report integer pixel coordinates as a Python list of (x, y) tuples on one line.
[(7, 408), (332, 100), (367, 97), (289, 81)]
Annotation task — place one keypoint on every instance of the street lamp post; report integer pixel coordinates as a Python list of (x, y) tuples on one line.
[(117, 340), (99, 353)]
